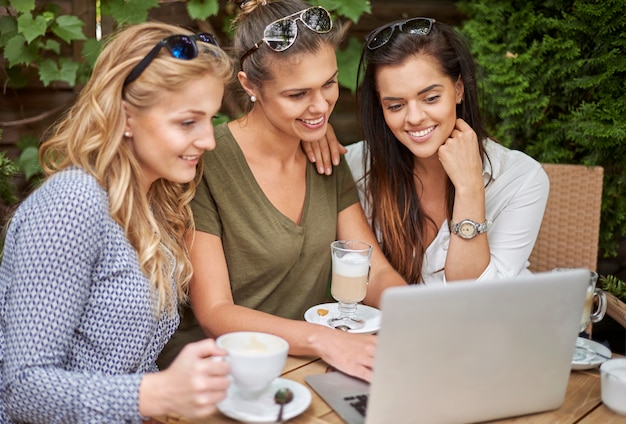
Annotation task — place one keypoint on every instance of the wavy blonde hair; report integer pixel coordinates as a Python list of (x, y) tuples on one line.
[(90, 136)]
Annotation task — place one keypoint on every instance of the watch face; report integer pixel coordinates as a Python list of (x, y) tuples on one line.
[(467, 229)]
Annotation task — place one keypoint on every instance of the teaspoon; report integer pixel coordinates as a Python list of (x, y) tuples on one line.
[(282, 397)]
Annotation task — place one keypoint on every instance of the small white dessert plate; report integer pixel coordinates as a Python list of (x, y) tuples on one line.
[(370, 315), (263, 409), (589, 354)]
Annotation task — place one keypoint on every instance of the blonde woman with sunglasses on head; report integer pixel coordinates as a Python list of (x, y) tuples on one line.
[(264, 217), (94, 262)]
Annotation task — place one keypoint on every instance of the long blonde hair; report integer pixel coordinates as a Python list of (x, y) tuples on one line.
[(90, 136)]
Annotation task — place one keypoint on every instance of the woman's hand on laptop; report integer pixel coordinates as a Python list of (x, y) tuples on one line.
[(350, 353)]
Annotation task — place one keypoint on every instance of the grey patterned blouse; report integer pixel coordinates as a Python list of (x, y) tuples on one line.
[(78, 326)]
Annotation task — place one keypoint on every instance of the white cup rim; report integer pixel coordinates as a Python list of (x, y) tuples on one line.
[(610, 364), (283, 344)]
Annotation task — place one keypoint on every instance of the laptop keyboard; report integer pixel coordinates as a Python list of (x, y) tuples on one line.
[(358, 402)]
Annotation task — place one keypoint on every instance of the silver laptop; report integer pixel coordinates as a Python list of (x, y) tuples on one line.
[(466, 352)]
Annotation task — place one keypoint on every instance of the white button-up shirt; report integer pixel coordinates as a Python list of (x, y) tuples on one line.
[(516, 192)]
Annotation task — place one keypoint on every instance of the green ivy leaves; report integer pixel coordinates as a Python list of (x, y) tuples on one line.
[(128, 12), (31, 27), (33, 36), (202, 9), (68, 28), (351, 9), (28, 35)]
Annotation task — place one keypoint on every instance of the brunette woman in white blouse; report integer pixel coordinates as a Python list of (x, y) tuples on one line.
[(447, 202)]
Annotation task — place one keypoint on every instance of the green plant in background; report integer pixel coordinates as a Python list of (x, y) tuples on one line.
[(36, 40), (614, 285), (31, 40), (8, 169), (36, 36), (555, 86)]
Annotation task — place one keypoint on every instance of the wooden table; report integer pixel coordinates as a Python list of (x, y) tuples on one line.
[(582, 401)]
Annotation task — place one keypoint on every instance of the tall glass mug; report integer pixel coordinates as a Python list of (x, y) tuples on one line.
[(595, 302), (351, 267), (595, 296)]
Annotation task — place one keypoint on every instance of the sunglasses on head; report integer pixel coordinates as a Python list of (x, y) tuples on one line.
[(281, 34), (381, 36), (182, 47)]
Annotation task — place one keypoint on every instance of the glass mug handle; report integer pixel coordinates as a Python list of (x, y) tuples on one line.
[(599, 301)]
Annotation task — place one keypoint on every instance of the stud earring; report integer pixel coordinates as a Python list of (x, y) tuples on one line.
[(253, 99), (127, 134)]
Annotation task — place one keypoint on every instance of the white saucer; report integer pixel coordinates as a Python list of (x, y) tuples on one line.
[(264, 409), (367, 313), (588, 360)]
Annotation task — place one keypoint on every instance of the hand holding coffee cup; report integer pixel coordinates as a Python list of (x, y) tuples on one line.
[(256, 359)]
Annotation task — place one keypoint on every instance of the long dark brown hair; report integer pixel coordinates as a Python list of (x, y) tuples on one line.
[(396, 211)]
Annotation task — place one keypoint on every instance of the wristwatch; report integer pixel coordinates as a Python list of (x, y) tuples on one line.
[(468, 229)]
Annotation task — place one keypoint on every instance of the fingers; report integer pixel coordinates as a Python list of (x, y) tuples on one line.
[(318, 153), (325, 152), (198, 379), (365, 374), (461, 125), (353, 355), (204, 349), (336, 148), (309, 150)]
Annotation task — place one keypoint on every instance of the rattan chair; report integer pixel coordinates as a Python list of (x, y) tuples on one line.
[(569, 232)]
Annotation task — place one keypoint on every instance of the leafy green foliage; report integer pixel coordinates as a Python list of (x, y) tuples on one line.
[(348, 63), (36, 40), (615, 286), (351, 9), (32, 37), (554, 86), (202, 9), (8, 169), (36, 36), (348, 56), (128, 12), (28, 162)]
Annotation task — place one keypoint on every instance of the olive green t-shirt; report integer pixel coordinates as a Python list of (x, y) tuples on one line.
[(275, 265)]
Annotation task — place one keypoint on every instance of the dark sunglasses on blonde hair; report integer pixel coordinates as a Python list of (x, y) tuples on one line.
[(281, 34), (381, 36), (182, 47)]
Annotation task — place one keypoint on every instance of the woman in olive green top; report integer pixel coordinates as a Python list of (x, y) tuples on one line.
[(264, 217)]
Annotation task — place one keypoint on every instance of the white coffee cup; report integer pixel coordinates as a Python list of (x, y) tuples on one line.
[(613, 384), (256, 359)]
